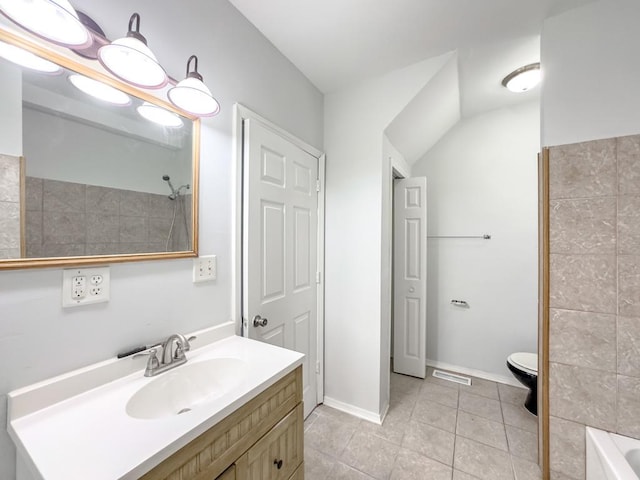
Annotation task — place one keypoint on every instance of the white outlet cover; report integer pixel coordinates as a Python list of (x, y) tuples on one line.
[(205, 268), (90, 291)]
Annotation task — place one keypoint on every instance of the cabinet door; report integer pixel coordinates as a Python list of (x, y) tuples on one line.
[(229, 474), (277, 455)]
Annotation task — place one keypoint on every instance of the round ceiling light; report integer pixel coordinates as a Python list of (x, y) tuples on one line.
[(129, 59), (192, 95), (53, 20), (27, 59), (523, 79), (159, 115), (99, 90)]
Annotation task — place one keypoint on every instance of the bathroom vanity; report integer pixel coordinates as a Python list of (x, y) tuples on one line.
[(232, 411)]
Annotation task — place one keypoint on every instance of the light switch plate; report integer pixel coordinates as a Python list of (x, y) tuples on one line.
[(82, 286), (205, 268)]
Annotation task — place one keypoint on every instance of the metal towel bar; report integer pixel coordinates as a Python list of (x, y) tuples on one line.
[(485, 237)]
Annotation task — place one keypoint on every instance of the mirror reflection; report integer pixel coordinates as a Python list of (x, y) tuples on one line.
[(86, 169)]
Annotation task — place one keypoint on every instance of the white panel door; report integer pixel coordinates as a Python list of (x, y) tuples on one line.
[(410, 276), (280, 228)]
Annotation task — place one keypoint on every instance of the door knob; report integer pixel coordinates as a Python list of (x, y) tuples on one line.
[(258, 321)]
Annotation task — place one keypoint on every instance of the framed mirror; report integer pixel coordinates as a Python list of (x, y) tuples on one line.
[(87, 180)]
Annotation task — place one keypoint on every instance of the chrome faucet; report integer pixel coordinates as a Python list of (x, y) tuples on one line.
[(170, 358)]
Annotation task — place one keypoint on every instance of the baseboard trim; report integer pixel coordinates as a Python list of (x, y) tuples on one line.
[(474, 373), (353, 410)]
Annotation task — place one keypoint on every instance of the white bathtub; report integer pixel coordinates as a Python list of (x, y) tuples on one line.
[(611, 456)]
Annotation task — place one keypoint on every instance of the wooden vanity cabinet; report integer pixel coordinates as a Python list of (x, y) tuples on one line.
[(261, 440)]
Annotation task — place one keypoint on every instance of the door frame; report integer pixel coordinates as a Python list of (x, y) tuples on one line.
[(240, 114)]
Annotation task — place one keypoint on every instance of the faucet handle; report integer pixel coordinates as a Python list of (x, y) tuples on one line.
[(152, 364)]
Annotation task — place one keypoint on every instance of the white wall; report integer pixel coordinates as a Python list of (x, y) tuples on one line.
[(10, 120), (591, 73), (482, 178), (59, 148), (150, 300), (355, 120)]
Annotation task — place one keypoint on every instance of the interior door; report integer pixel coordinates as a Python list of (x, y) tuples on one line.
[(280, 225), (410, 276)]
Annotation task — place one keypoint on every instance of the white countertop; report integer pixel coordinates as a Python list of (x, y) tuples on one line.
[(90, 435)]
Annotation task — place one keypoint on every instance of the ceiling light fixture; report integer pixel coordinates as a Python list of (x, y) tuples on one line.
[(27, 59), (523, 79), (99, 90), (129, 59), (159, 115), (192, 95), (53, 20)]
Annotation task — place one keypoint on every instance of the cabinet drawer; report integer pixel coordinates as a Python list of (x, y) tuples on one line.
[(278, 454), (209, 455)]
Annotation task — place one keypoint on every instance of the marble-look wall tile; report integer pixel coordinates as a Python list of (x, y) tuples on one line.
[(33, 227), (9, 178), (583, 226), (33, 194), (63, 250), (583, 282), (102, 228), (35, 251), (159, 230), (583, 170), (134, 204), (9, 225), (628, 416), (573, 396), (63, 228), (102, 200), (160, 206), (102, 248), (628, 149), (134, 229), (583, 339), (9, 253), (567, 448), (629, 225), (629, 285), (63, 196), (629, 346)]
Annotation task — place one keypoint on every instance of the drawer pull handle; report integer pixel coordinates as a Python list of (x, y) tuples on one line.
[(278, 463)]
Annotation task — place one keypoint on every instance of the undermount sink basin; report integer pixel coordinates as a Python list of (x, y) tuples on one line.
[(187, 387)]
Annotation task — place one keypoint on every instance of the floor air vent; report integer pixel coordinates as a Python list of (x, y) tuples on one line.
[(452, 377)]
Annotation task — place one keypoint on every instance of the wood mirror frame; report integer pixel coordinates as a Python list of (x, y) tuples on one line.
[(50, 53)]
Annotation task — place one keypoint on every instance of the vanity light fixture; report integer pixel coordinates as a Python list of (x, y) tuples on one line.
[(130, 59), (53, 20), (523, 79), (99, 90), (192, 95), (159, 115), (27, 59)]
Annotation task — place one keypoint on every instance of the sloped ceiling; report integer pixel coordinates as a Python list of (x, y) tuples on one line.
[(336, 43)]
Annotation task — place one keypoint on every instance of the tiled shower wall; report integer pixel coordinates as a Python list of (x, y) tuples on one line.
[(69, 219), (9, 206), (594, 331)]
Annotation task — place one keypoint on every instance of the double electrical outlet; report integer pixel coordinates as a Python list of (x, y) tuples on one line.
[(84, 286)]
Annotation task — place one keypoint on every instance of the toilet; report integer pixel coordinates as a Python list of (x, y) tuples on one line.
[(524, 367)]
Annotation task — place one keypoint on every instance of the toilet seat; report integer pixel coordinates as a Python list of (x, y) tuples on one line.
[(527, 362)]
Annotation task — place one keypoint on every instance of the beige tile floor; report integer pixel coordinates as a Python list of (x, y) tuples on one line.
[(434, 430)]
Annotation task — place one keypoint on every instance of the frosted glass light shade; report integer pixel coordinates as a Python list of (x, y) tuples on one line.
[(523, 79), (27, 59), (132, 61), (193, 96), (53, 20), (99, 90), (159, 115)]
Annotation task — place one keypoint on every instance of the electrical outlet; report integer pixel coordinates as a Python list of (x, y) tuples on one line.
[(85, 286), (205, 268)]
